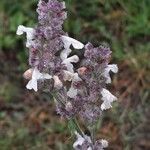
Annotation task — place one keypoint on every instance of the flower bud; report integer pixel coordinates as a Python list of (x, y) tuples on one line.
[(82, 70), (28, 74), (57, 83), (69, 106)]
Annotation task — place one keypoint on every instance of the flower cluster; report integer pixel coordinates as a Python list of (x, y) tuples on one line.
[(85, 143), (88, 94), (49, 45), (78, 91)]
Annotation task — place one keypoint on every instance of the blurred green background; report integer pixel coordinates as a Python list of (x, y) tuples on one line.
[(28, 120)]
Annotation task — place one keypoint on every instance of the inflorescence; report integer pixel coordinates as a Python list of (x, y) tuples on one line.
[(78, 92)]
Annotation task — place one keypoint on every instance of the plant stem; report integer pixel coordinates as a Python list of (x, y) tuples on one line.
[(74, 120), (58, 100), (92, 131)]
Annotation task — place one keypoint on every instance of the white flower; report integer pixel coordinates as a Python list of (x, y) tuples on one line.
[(74, 77), (29, 34), (89, 148), (36, 75), (84, 138), (67, 43), (107, 98), (80, 140), (65, 53), (104, 143), (57, 83), (64, 5), (113, 68), (68, 106), (72, 93), (68, 62)]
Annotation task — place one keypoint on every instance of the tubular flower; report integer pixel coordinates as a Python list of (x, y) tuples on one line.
[(36, 75), (70, 41), (68, 62), (29, 34), (48, 39), (113, 68), (65, 53), (107, 99), (68, 76)]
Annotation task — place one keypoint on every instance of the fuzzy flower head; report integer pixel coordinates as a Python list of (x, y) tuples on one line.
[(55, 9), (49, 46), (97, 54), (79, 90), (93, 97)]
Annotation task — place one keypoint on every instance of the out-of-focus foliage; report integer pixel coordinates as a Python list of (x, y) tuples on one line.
[(124, 24), (30, 122), (13, 13)]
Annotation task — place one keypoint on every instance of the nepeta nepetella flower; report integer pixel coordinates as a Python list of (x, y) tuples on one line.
[(79, 91), (85, 143), (107, 99), (29, 34), (36, 75), (109, 68)]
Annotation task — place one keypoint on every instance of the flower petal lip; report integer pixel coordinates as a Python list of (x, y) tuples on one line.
[(74, 77), (29, 34), (36, 75), (64, 54), (107, 99), (70, 60), (74, 59), (21, 29), (104, 143), (113, 68), (32, 84), (68, 41), (80, 140), (72, 93), (69, 66)]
